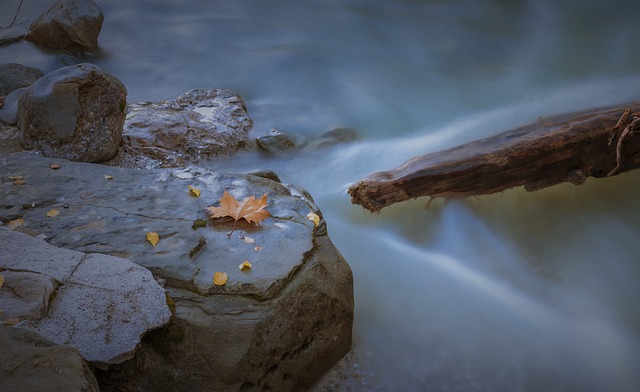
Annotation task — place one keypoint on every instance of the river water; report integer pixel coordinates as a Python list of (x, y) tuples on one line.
[(510, 292)]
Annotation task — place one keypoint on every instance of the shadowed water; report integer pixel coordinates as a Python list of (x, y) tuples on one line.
[(510, 292)]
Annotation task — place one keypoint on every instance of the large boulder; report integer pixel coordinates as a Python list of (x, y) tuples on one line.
[(32, 363), (101, 305), (76, 112), (14, 76), (69, 24), (277, 326), (199, 124)]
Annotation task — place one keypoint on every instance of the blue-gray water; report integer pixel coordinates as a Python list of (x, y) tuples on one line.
[(510, 292)]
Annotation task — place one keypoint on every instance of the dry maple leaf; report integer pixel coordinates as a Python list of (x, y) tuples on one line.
[(249, 209)]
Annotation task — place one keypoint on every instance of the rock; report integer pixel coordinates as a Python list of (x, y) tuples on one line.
[(9, 110), (275, 142), (9, 139), (333, 137), (11, 34), (199, 124), (101, 305), (76, 112), (265, 173), (278, 326), (14, 76), (32, 363), (69, 24)]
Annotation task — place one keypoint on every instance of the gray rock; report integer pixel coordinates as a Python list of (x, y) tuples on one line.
[(197, 125), (99, 304), (9, 111), (32, 363), (11, 34), (275, 142), (76, 112), (14, 76), (279, 325), (68, 24), (331, 138)]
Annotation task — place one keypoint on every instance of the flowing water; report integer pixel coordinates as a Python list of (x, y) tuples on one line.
[(510, 292)]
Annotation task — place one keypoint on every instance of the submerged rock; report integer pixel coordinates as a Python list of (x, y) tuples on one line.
[(75, 112), (32, 363), (198, 125), (69, 24), (275, 142), (14, 76), (277, 326), (9, 110), (101, 305)]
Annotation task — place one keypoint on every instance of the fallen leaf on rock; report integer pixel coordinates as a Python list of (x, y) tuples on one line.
[(55, 166), (53, 213), (249, 209), (247, 240), (1, 280), (313, 217), (108, 177), (14, 224), (245, 266), (194, 191), (258, 248), (17, 180), (220, 278), (11, 321), (153, 238), (198, 224)]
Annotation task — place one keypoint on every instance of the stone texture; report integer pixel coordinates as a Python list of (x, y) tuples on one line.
[(9, 110), (69, 24), (102, 304), (75, 112), (197, 125), (333, 137), (14, 76), (279, 326), (32, 363), (275, 142), (11, 34)]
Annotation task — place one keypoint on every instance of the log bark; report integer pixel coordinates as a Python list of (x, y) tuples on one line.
[(566, 148)]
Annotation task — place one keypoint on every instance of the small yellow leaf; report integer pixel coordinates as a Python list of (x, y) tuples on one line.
[(18, 181), (313, 217), (14, 224), (247, 240), (153, 238), (246, 265), (1, 280), (194, 191), (53, 213), (54, 166), (108, 177), (220, 278)]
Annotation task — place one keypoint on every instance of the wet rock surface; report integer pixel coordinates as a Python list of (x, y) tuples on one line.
[(75, 112), (32, 363), (69, 24), (275, 142), (101, 305), (9, 110), (14, 76), (199, 124), (279, 325)]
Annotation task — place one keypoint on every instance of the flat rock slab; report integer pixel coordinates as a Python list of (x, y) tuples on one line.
[(32, 363), (99, 304), (277, 326)]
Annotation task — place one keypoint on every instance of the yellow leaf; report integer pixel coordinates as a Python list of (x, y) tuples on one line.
[(54, 166), (194, 191), (53, 213), (108, 177), (153, 238), (220, 278), (313, 217), (1, 280), (14, 224), (246, 265)]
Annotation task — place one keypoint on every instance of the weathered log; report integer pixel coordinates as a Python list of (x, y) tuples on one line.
[(566, 148)]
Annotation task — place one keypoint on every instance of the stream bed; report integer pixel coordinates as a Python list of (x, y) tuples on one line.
[(509, 292)]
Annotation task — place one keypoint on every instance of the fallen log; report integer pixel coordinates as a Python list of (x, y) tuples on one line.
[(565, 148)]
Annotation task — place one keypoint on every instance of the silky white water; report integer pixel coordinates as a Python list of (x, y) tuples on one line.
[(510, 292)]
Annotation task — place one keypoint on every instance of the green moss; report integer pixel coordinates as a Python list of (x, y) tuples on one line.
[(170, 303)]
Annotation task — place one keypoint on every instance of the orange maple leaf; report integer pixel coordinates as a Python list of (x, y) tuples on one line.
[(249, 209)]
